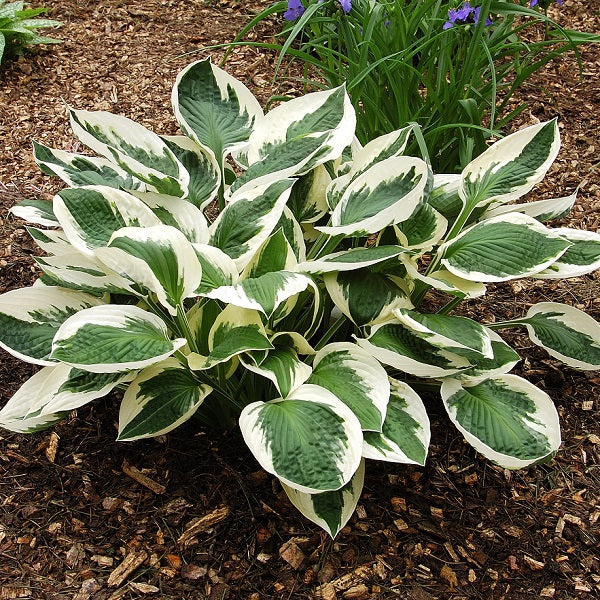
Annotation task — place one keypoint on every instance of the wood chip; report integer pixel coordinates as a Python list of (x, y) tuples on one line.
[(142, 479), (325, 592), (534, 565), (291, 553), (193, 571), (130, 563), (52, 447), (451, 552), (357, 592), (144, 588), (449, 575), (203, 523)]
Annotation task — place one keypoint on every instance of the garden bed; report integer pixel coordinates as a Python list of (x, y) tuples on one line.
[(191, 514)]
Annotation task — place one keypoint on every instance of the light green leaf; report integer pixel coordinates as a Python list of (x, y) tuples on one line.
[(113, 338), (213, 108), (329, 510), (581, 258), (506, 247), (507, 419), (159, 399), (566, 333), (311, 440), (444, 195), (396, 345), (90, 215), (350, 260), (406, 432), (356, 378), (511, 167), (29, 318), (132, 147), (542, 210)]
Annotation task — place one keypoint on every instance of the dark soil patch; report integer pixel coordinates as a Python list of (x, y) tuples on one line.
[(207, 522)]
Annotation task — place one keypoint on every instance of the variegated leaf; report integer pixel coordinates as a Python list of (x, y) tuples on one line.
[(281, 366), (293, 234), (51, 241), (179, 213), (51, 393), (249, 219), (511, 167), (329, 510), (218, 269), (507, 419), (235, 330), (581, 258), (29, 318), (566, 333), (506, 247), (213, 108), (274, 254), (160, 258), (77, 170), (350, 260), (365, 297), (113, 338), (356, 378), (264, 293), (307, 200), (39, 212), (90, 215), (406, 432), (447, 331), (422, 230), (542, 210), (311, 440), (386, 194), (199, 161), (396, 345), (444, 195), (132, 147), (159, 399)]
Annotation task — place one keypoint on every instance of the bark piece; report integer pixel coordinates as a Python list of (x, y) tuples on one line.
[(204, 523), (130, 563), (142, 479)]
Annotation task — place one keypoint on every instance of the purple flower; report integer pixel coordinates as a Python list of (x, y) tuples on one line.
[(346, 5), (476, 12), (465, 14), (545, 3), (294, 11)]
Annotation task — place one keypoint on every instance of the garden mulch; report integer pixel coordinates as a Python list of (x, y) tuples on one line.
[(191, 515)]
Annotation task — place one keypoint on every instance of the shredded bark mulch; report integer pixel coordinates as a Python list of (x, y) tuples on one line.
[(191, 515)]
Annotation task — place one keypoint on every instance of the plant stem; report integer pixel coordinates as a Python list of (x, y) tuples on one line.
[(449, 306), (185, 328)]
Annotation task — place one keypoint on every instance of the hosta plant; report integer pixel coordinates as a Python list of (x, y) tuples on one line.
[(268, 269), (18, 28)]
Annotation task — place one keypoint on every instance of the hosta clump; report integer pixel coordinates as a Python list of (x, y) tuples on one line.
[(296, 308)]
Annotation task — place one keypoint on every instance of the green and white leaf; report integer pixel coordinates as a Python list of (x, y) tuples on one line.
[(351, 260), (293, 233), (39, 212), (30, 317), (235, 330), (406, 431), (422, 230), (213, 108), (264, 293), (566, 333), (443, 280), (387, 193), (365, 297), (506, 247), (77, 170), (581, 258), (132, 147), (444, 195), (448, 331), (178, 213), (281, 366), (356, 378), (396, 345), (329, 510), (218, 269), (90, 215), (311, 440), (509, 420), (113, 338), (160, 258), (274, 254), (202, 166), (511, 167), (249, 219), (159, 399), (307, 200), (51, 241), (542, 210)]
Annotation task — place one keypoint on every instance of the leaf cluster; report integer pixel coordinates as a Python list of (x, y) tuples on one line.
[(270, 270)]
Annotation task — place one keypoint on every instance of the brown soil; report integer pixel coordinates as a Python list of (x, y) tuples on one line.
[(79, 521)]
